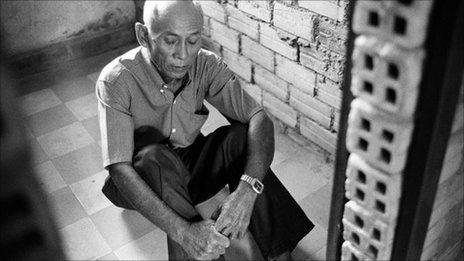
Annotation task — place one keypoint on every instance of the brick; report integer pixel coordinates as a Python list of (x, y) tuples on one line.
[(296, 21), (279, 109), (257, 53), (259, 9), (382, 139), (336, 121), (322, 60), (213, 9), (325, 8), (303, 78), (318, 134), (374, 190), (225, 36), (278, 41), (332, 35), (311, 58), (327, 85), (371, 17), (271, 83), (349, 252), (376, 230), (242, 23), (332, 100), (386, 76), (311, 107), (364, 243), (238, 64)]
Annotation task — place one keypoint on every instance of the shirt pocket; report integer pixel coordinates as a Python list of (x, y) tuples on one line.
[(191, 122)]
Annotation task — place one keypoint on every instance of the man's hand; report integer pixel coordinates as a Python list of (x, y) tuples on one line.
[(236, 212), (202, 241)]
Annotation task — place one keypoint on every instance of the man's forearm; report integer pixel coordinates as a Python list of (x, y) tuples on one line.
[(260, 145), (138, 193)]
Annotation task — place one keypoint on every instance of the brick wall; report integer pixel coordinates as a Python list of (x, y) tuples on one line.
[(290, 55), (444, 240)]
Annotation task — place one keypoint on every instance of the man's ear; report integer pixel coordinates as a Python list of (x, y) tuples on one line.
[(141, 32)]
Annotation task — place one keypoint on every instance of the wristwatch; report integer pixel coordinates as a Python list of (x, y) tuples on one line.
[(256, 185)]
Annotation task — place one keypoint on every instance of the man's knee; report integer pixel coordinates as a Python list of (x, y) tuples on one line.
[(152, 153), (155, 156), (158, 161)]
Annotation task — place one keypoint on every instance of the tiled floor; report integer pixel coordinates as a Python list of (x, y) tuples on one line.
[(62, 126)]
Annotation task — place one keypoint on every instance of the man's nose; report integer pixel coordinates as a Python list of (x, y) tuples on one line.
[(182, 52)]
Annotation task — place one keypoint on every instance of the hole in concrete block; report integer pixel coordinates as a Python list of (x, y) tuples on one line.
[(363, 144), (393, 71), (365, 124), (385, 155), (400, 25), (381, 187), (390, 95), (380, 206), (368, 62), (361, 177), (373, 250), (376, 234), (406, 2), (355, 238), (359, 221), (373, 18), (387, 135), (368, 87), (359, 194), (354, 258)]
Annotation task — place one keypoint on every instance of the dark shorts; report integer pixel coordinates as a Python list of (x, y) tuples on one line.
[(184, 177)]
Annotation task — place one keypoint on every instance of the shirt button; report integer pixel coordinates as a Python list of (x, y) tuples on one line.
[(161, 91), (165, 86), (173, 130)]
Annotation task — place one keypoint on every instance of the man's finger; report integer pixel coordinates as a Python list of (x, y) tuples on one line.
[(219, 225), (228, 230), (241, 235), (222, 251), (222, 240)]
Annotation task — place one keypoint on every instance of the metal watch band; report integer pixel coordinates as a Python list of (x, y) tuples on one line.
[(255, 184)]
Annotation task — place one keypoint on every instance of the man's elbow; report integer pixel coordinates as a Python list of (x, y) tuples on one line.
[(263, 122)]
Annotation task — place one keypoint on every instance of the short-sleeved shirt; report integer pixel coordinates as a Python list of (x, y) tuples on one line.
[(132, 94)]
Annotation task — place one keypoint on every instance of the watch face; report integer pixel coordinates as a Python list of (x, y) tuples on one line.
[(258, 186)]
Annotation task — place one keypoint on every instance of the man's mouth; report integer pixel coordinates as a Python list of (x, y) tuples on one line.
[(180, 68)]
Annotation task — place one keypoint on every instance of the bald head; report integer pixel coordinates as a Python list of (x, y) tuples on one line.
[(160, 15)]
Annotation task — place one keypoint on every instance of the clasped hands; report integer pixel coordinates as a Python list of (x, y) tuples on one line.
[(206, 240)]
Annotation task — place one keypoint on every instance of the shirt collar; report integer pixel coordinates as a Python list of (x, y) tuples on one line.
[(154, 71)]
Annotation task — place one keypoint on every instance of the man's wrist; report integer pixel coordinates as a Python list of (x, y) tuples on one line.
[(179, 231), (245, 188), (256, 185)]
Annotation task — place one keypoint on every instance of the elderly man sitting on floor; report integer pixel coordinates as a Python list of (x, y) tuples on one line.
[(151, 111)]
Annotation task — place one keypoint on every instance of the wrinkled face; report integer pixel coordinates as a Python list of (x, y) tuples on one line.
[(174, 49)]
